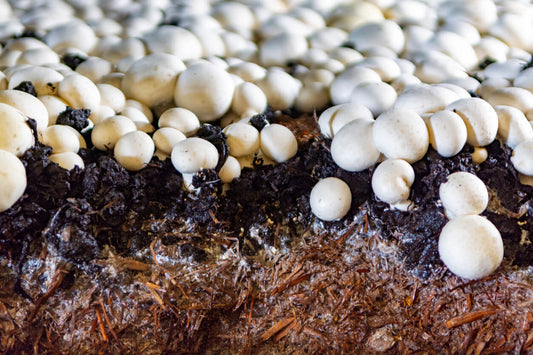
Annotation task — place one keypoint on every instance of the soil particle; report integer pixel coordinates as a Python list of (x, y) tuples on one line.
[(27, 87)]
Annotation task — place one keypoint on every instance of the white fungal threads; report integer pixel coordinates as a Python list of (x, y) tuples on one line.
[(206, 90), (471, 247), (12, 179), (463, 194), (391, 182), (401, 134), (278, 142), (330, 199), (134, 150), (194, 154)]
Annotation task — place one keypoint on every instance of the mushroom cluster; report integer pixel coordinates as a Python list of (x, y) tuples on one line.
[(389, 79)]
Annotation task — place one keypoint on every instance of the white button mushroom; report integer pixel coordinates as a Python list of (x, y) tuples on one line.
[(230, 170), (151, 79), (45, 80), (376, 96), (471, 247), (402, 134), (15, 134), (480, 119), (174, 40), (134, 150), (141, 107), (513, 126), (353, 147), (247, 97), (248, 71), (54, 105), (106, 133), (181, 119), (342, 86), (280, 88), (447, 132), (312, 96), (330, 199), (434, 67), (101, 113), (392, 180), (282, 48), (387, 68), (242, 138), (278, 142), (206, 90), (12, 179), (165, 138), (425, 98), (479, 155), (522, 158), (79, 92), (336, 117), (520, 98), (384, 33), (61, 138), (67, 160), (74, 33), (134, 114), (463, 193), (28, 104), (111, 96), (94, 68), (194, 154)]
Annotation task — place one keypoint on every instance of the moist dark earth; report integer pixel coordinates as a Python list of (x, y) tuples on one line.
[(104, 205)]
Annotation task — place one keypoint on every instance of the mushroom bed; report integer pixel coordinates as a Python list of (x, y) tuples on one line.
[(266, 177)]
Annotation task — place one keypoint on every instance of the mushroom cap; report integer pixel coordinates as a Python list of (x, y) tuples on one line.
[(12, 179), (205, 89), (471, 246), (330, 199), (463, 193)]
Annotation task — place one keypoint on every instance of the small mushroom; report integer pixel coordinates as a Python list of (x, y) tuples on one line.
[(278, 142), (392, 180), (471, 247), (134, 150), (12, 179), (462, 194), (402, 134), (206, 90), (330, 199), (194, 154), (353, 147)]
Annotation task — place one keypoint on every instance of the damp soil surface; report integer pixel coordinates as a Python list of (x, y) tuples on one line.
[(105, 233)]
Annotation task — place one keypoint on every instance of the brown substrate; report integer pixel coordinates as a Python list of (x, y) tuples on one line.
[(108, 260)]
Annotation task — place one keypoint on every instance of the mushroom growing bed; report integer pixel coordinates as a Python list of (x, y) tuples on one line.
[(266, 177)]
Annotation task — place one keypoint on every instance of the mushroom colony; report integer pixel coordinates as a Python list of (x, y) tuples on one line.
[(387, 79)]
